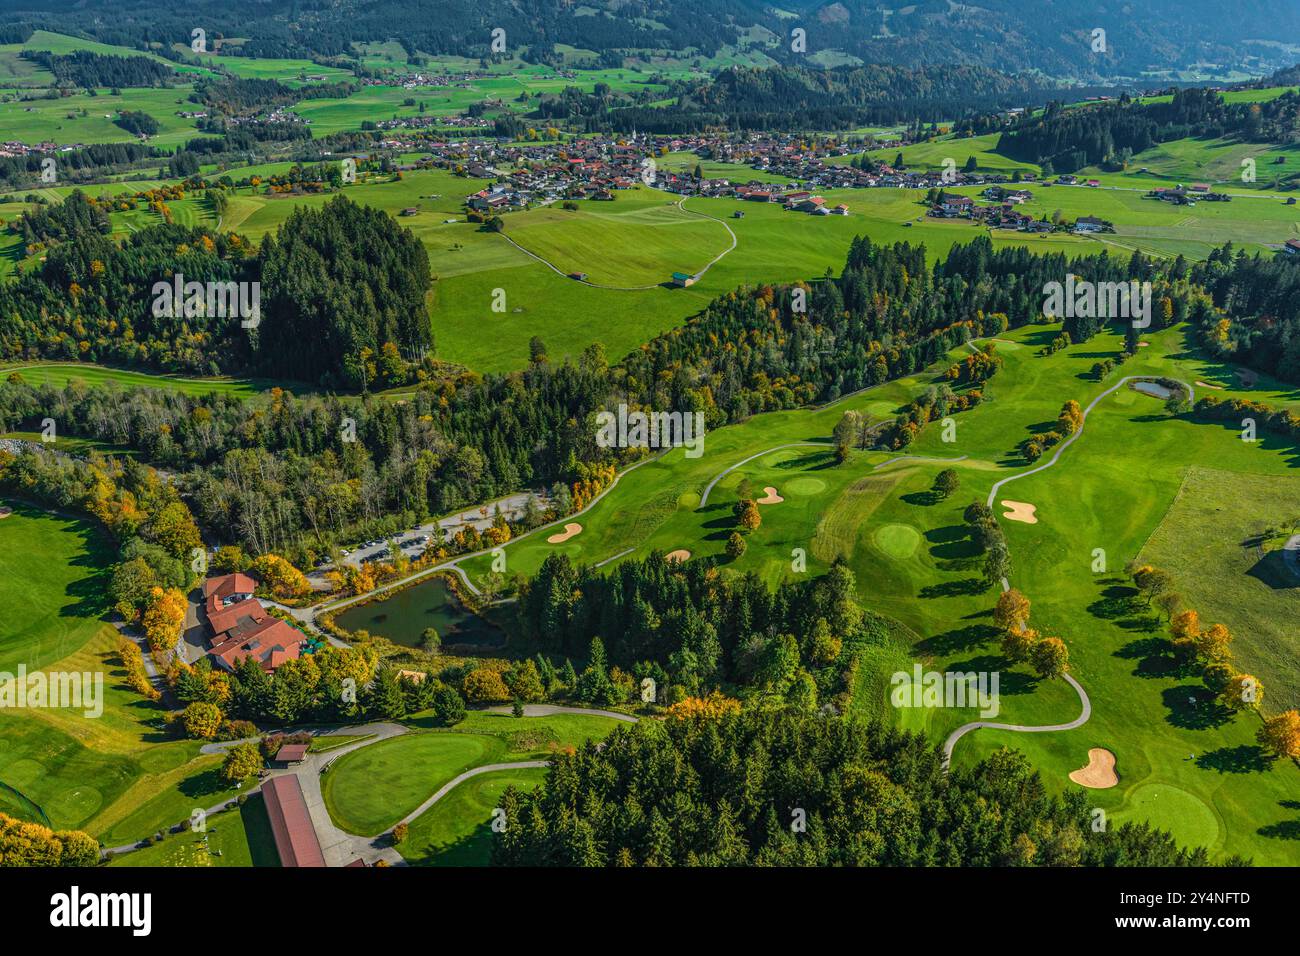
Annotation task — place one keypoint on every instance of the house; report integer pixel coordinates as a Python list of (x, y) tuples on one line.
[(1089, 224), (291, 826), (813, 204), (682, 279), (410, 211), (291, 754), (840, 210), (738, 214), (956, 205), (239, 627), (1292, 247)]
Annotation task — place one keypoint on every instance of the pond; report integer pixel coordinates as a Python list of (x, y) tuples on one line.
[(403, 617), (1153, 388)]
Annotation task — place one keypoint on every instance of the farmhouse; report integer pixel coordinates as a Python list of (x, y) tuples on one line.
[(683, 279), (1292, 247), (956, 205), (1090, 224), (239, 627)]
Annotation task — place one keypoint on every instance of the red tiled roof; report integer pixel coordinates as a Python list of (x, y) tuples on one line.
[(295, 837), (270, 640), (291, 753)]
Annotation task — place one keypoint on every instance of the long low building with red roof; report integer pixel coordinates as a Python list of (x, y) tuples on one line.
[(295, 837), (239, 627)]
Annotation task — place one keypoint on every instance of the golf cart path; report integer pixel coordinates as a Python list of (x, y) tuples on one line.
[(1191, 397), (704, 498), (1086, 709), (1079, 721)]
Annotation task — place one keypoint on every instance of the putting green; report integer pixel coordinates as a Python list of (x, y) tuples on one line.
[(897, 540), (804, 485), (882, 409), (77, 803), (1171, 808)]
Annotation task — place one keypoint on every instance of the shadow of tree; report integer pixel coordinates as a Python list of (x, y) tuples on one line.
[(1193, 707), (958, 639), (966, 586), (1246, 758)]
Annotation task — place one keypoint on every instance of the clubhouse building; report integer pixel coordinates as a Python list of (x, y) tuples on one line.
[(240, 627)]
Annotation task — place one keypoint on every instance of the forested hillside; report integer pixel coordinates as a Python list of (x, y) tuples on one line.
[(764, 787)]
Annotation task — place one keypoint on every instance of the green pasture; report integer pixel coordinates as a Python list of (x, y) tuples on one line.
[(84, 119)]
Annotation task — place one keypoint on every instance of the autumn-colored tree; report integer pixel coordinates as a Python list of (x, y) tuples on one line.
[(202, 720), (1243, 692), (163, 616), (280, 577), (735, 546), (1152, 581), (483, 685), (400, 832), (242, 761), (1018, 645), (1212, 644), (524, 682), (747, 515), (1184, 629), (1012, 610), (1071, 418), (713, 707), (30, 844), (1280, 735), (1050, 658)]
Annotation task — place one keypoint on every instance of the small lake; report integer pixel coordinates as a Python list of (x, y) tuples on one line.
[(1153, 388), (403, 617)]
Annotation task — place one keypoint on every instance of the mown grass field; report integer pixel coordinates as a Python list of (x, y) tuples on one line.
[(233, 838), (914, 563), (60, 374), (117, 776), (370, 789), (1216, 540), (49, 608), (457, 830)]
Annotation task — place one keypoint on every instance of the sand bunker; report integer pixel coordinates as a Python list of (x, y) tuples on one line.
[(678, 556), (1143, 345), (1020, 511), (569, 531), (1100, 772), (770, 497), (5, 511), (1207, 384)]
